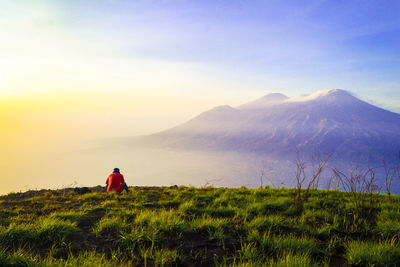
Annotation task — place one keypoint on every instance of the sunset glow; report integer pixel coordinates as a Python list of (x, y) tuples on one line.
[(72, 71)]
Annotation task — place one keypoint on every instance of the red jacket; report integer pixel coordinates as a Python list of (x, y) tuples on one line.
[(114, 181)]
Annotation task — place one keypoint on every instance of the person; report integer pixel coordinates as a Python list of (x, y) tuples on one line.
[(115, 181)]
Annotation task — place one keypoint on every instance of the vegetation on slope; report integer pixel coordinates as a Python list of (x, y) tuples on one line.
[(187, 226)]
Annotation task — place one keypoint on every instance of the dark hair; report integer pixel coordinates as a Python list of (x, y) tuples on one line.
[(116, 170)]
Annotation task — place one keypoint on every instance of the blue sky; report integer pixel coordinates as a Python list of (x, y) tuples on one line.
[(209, 48), (288, 45), (73, 71)]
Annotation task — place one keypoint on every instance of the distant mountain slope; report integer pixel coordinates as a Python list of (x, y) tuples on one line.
[(331, 121), (264, 102)]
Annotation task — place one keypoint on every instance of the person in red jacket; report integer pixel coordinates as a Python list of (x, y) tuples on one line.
[(115, 181)]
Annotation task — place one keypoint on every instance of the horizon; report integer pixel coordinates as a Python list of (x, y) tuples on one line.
[(73, 74), (65, 155)]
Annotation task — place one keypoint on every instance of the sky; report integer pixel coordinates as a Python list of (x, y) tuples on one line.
[(77, 71)]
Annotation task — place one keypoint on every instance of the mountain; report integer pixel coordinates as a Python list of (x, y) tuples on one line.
[(332, 121), (264, 102), (232, 144)]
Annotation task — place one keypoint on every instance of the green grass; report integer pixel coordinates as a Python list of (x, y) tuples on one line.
[(18, 258), (91, 196), (109, 227), (73, 216), (268, 223), (169, 223), (87, 259), (293, 260), (52, 231), (164, 256), (270, 206), (292, 244), (370, 253), (388, 228), (46, 231), (17, 235), (186, 226)]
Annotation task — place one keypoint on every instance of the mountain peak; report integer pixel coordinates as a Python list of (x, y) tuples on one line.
[(266, 101), (275, 96), (223, 108), (338, 92), (327, 95), (338, 95)]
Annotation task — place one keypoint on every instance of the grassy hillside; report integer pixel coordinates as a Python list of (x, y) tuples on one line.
[(189, 226)]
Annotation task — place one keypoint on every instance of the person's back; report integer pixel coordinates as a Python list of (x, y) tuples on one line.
[(114, 181)]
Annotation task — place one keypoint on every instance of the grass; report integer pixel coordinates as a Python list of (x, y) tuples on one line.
[(389, 228), (268, 223), (186, 226), (52, 231), (270, 206), (169, 223), (109, 227), (73, 216), (44, 232), (289, 244), (17, 235), (370, 253), (87, 258), (17, 258), (293, 260), (212, 229)]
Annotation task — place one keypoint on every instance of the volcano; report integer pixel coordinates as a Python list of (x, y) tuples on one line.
[(330, 122)]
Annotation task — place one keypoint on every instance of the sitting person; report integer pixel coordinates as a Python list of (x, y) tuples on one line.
[(115, 181)]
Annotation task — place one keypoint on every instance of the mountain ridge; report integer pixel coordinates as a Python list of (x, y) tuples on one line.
[(331, 121)]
